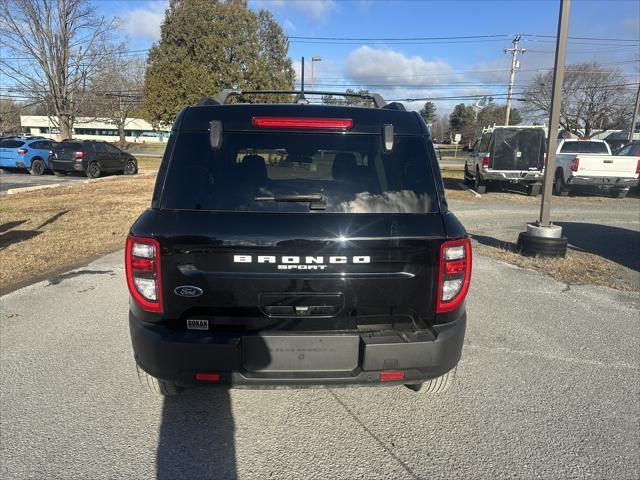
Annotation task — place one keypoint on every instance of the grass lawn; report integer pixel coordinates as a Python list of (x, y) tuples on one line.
[(148, 163), (57, 229)]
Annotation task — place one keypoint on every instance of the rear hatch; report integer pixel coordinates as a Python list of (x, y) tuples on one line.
[(607, 166), (9, 151), (520, 149), (66, 151), (299, 229)]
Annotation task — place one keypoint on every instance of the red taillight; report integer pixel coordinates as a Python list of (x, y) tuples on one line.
[(454, 274), (142, 266), (485, 162), (638, 167), (208, 377), (391, 375), (296, 122), (79, 155), (575, 163), (22, 151)]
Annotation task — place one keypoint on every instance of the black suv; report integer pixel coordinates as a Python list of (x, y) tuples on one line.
[(296, 245), (91, 157)]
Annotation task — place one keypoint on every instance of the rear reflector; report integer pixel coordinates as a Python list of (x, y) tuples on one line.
[(297, 122), (208, 377), (392, 375)]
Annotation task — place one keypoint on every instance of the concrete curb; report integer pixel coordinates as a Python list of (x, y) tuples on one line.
[(35, 188)]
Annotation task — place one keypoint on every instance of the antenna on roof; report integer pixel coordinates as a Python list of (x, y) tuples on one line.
[(301, 98)]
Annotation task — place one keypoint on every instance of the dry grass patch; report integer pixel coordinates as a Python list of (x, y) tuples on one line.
[(42, 232), (148, 163), (577, 268)]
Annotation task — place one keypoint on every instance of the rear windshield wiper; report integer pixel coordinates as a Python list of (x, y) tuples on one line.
[(316, 202)]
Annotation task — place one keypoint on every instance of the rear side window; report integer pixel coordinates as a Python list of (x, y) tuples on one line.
[(11, 144), (255, 172), (584, 147), (484, 143)]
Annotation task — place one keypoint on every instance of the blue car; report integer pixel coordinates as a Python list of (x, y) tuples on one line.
[(31, 153)]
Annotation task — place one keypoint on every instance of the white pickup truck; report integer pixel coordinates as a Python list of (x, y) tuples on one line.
[(589, 163)]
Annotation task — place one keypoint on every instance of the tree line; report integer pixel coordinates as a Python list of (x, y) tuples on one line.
[(64, 58)]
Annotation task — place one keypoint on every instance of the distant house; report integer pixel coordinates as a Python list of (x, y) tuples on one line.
[(137, 130)]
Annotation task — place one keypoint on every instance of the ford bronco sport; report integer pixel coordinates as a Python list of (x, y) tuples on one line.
[(297, 245)]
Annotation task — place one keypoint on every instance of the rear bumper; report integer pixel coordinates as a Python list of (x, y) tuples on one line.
[(528, 176), (66, 166), (615, 182), (249, 360)]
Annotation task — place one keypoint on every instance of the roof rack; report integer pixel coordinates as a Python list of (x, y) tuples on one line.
[(222, 97)]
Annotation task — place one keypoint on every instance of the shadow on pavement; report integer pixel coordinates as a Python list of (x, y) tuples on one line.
[(197, 436), (620, 245), (493, 242)]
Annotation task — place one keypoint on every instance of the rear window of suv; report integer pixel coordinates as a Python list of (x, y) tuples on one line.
[(67, 147), (252, 172)]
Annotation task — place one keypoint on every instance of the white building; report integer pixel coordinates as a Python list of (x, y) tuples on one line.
[(136, 130)]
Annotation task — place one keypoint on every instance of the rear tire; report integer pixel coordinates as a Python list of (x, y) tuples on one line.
[(59, 173), (619, 192), (93, 170), (131, 167), (157, 386), (533, 190), (37, 167), (436, 385), (478, 184), (559, 186)]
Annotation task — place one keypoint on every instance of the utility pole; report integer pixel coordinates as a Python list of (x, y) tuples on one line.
[(634, 119), (543, 237), (514, 65)]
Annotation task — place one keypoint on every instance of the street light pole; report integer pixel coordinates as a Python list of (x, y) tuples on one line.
[(542, 237), (634, 119), (554, 120), (313, 79)]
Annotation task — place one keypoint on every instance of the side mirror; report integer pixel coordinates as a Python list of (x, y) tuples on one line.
[(215, 134)]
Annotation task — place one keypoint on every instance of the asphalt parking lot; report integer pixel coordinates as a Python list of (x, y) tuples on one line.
[(20, 179), (548, 387)]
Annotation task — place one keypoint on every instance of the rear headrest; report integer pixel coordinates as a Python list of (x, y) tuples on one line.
[(254, 168), (344, 166)]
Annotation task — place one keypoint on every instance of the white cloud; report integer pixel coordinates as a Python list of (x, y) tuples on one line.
[(315, 10), (144, 21), (369, 65), (289, 25)]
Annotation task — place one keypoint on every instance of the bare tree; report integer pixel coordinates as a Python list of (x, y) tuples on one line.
[(118, 91), (51, 48), (593, 98), (9, 116)]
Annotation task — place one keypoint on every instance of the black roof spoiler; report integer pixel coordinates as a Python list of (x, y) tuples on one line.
[(221, 98)]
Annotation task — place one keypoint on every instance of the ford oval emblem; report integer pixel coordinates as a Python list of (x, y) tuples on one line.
[(188, 291)]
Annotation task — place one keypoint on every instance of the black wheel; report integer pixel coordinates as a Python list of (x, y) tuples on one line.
[(533, 190), (533, 246), (619, 192), (131, 167), (436, 385), (59, 173), (37, 167), (479, 185), (93, 170), (467, 178), (559, 186), (157, 386)]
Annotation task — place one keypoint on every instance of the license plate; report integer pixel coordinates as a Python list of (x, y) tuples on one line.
[(301, 353), (193, 324)]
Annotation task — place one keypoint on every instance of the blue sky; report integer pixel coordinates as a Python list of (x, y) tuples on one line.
[(426, 68)]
